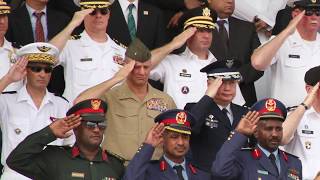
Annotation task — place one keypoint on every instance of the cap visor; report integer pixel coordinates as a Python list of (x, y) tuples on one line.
[(179, 129), (94, 118)]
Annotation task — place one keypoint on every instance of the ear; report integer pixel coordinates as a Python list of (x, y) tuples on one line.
[(295, 12), (308, 88)]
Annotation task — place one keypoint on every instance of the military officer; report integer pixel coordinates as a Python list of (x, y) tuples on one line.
[(216, 113), (85, 160), (32, 107), (132, 105), (266, 160), (173, 128)]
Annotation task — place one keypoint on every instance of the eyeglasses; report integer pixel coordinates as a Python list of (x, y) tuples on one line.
[(92, 125), (103, 11), (37, 69), (310, 12)]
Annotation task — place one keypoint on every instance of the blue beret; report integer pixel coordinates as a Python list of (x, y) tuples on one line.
[(176, 120), (270, 108)]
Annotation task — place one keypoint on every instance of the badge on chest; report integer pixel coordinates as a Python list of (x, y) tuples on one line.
[(212, 122)]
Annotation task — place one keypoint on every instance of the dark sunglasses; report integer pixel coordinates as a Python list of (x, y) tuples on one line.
[(310, 12), (103, 11), (37, 69), (92, 125)]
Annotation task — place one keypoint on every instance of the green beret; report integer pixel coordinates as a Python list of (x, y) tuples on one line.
[(138, 51)]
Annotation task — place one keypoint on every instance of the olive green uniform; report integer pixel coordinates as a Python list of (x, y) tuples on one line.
[(129, 119), (61, 162)]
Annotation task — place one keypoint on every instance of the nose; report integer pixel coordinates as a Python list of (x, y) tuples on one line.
[(141, 71), (180, 141)]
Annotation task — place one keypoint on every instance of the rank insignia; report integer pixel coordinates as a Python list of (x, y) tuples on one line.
[(185, 90), (146, 13), (256, 153), (17, 131), (157, 104), (206, 12), (307, 144), (211, 121), (43, 48), (95, 104), (181, 117), (229, 63)]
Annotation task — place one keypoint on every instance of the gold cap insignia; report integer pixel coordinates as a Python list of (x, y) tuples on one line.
[(206, 12), (17, 131), (95, 103), (181, 117), (271, 105), (43, 48), (229, 63)]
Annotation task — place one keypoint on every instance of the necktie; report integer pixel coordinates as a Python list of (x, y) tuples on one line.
[(131, 22), (39, 28), (225, 112), (272, 158), (223, 34), (179, 169)]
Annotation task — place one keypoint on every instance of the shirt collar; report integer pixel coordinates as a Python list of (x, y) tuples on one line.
[(127, 93), (172, 164), (187, 52), (226, 19), (87, 41), (23, 95), (125, 3), (267, 153), (228, 107), (31, 10), (7, 45), (100, 156)]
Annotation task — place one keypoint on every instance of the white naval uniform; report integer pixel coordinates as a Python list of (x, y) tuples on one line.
[(294, 58), (87, 63), (182, 78), (305, 144), (6, 52), (19, 117)]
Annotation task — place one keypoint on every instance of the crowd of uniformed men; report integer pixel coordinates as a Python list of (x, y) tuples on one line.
[(142, 89)]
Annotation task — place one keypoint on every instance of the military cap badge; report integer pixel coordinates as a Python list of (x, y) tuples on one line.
[(271, 105)]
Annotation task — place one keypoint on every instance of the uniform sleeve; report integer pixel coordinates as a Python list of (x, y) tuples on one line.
[(28, 157), (139, 164), (159, 72), (226, 164), (64, 55)]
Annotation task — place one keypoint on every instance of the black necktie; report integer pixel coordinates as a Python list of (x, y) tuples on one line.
[(225, 112), (223, 35), (179, 169), (272, 158)]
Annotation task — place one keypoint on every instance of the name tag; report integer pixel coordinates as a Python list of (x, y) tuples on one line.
[(77, 174), (294, 56), (262, 172), (185, 75), (307, 132), (85, 59)]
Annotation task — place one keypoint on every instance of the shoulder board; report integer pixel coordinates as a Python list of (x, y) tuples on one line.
[(292, 108), (9, 92), (116, 156), (246, 149), (119, 43), (288, 154), (75, 37), (58, 95)]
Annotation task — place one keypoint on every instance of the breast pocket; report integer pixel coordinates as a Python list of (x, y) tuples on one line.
[(84, 71), (126, 121), (18, 129)]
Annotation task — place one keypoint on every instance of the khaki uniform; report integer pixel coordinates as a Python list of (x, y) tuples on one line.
[(129, 119)]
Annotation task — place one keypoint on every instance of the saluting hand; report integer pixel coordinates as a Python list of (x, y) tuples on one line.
[(79, 16), (213, 87), (61, 127), (154, 136), (248, 123), (18, 71), (126, 69), (312, 95), (294, 22), (180, 39)]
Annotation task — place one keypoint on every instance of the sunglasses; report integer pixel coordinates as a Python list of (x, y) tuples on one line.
[(103, 11), (310, 12), (92, 125), (37, 69)]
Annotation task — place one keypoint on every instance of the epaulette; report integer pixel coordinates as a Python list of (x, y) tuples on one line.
[(9, 92), (116, 156), (58, 95), (291, 108), (75, 37), (119, 43)]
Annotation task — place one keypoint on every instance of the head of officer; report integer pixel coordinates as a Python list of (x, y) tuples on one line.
[(227, 70), (92, 112), (41, 59), (269, 132), (97, 20), (4, 11), (204, 20), (177, 132), (311, 20), (139, 53), (311, 78)]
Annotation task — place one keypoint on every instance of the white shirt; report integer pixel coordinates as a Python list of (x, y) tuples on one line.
[(305, 144), (19, 117), (33, 20), (86, 64), (182, 78), (291, 62), (6, 53), (124, 4)]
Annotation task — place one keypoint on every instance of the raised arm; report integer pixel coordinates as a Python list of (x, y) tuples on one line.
[(61, 38), (292, 122), (16, 73), (262, 56), (98, 90)]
